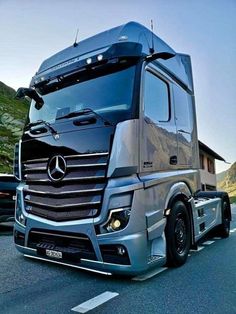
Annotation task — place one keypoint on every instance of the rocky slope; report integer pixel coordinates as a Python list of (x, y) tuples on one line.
[(12, 116), (227, 181)]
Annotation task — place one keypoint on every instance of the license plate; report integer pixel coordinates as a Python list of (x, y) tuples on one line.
[(54, 254)]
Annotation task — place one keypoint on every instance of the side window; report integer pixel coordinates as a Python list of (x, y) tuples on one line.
[(156, 99), (182, 109)]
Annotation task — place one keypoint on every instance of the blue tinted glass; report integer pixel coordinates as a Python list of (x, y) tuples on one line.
[(156, 100), (111, 93), (182, 108)]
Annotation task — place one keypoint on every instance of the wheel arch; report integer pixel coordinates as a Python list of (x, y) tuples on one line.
[(181, 192)]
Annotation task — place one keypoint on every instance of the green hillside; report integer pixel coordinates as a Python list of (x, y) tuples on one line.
[(228, 182), (12, 117), (220, 176)]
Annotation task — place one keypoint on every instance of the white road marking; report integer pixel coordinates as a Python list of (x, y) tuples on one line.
[(208, 242), (149, 274), (94, 302), (158, 271), (199, 248)]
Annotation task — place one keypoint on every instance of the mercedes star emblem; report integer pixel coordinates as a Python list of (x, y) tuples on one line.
[(57, 168)]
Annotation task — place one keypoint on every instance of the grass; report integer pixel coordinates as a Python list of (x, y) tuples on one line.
[(12, 117), (232, 199)]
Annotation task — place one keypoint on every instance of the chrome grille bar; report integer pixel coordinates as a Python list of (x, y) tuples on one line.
[(87, 155), (35, 160), (68, 157), (27, 169), (79, 179), (104, 164), (88, 204), (75, 192)]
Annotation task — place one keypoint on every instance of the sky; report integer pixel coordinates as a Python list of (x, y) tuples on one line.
[(31, 31)]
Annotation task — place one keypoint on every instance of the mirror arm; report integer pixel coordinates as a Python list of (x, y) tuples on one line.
[(160, 55), (31, 93)]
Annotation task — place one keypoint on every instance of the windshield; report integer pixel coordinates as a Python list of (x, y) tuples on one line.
[(110, 95)]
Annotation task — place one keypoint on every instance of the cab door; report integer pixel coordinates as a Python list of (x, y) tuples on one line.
[(158, 129)]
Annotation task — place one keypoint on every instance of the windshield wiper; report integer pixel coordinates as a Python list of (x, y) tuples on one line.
[(84, 112), (38, 122), (74, 114)]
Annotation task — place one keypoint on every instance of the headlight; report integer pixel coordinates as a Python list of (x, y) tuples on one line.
[(19, 217), (118, 219)]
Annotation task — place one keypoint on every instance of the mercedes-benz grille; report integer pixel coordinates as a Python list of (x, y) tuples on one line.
[(78, 195)]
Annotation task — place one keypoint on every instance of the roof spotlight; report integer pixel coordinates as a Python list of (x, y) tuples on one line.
[(89, 61), (99, 57)]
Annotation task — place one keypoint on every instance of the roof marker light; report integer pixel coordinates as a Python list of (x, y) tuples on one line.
[(123, 38), (99, 57), (89, 61)]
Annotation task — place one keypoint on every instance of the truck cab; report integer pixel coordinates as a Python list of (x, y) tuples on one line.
[(108, 160)]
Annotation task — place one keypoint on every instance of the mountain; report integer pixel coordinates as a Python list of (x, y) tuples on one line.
[(12, 117), (227, 181), (220, 176)]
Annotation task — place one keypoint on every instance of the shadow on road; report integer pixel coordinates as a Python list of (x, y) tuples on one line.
[(6, 229)]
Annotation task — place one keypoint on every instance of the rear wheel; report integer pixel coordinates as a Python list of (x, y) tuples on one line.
[(177, 235), (224, 229)]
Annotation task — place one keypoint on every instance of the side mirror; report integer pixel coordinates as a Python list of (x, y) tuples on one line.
[(31, 93), (20, 93), (160, 55)]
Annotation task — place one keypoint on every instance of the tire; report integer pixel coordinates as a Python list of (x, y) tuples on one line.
[(177, 233), (224, 229)]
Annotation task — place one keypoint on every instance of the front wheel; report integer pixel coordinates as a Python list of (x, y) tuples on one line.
[(177, 235)]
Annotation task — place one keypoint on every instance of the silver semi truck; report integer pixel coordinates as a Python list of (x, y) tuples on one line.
[(109, 161)]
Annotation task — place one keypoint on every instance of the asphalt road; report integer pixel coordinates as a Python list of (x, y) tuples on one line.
[(205, 284)]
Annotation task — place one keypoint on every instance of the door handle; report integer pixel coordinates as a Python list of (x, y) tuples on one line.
[(183, 131)]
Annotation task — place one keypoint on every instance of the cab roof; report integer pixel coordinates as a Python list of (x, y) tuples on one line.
[(132, 32)]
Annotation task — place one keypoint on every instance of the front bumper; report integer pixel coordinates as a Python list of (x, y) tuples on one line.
[(135, 244), (135, 238)]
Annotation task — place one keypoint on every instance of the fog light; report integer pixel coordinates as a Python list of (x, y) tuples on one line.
[(115, 254), (118, 220), (121, 250)]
